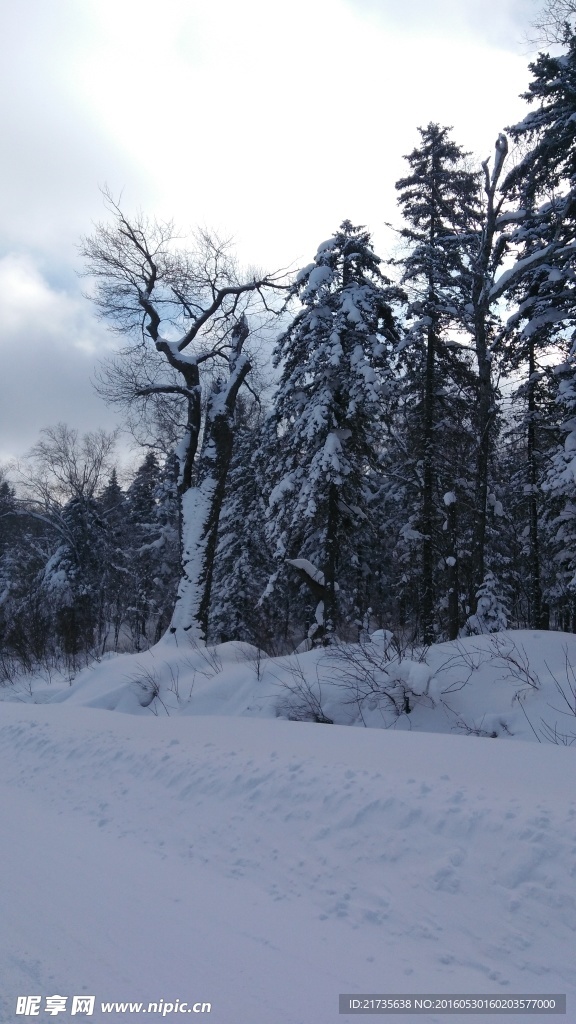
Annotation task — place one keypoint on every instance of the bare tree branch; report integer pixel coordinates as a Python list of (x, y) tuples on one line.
[(554, 23)]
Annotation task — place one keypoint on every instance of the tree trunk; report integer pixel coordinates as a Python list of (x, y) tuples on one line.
[(453, 575), (330, 607), (427, 598), (489, 255), (534, 555), (202, 500), (485, 412)]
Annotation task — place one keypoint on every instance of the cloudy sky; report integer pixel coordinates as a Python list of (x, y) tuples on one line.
[(268, 122)]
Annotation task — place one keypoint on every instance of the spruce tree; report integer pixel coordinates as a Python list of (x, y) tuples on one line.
[(541, 284), (336, 380), (72, 580), (112, 506), (559, 489), (151, 552), (439, 200), (243, 563), (491, 615)]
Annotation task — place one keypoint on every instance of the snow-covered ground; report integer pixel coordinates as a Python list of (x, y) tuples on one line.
[(199, 848)]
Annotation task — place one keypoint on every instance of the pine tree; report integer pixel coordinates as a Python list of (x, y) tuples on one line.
[(559, 487), (27, 628), (167, 548), (541, 283), (243, 562), (8, 517), (549, 167), (336, 377), (72, 580), (439, 200), (151, 549), (491, 615), (527, 453), (112, 506), (485, 326), (8, 542)]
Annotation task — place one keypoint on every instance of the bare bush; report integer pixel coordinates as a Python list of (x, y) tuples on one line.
[(375, 677), (301, 700), (515, 659)]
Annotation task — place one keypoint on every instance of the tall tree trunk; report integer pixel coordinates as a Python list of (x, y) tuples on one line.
[(202, 500), (427, 592), (485, 413), (330, 608), (452, 568), (534, 551), (489, 255)]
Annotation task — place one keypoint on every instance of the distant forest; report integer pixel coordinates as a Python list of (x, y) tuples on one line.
[(413, 466)]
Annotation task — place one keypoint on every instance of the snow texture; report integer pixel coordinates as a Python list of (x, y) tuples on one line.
[(266, 865)]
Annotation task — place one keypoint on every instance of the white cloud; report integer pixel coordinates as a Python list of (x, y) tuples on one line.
[(268, 122), (29, 306), (48, 345), (273, 122)]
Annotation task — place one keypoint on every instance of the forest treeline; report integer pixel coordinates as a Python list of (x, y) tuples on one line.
[(415, 468)]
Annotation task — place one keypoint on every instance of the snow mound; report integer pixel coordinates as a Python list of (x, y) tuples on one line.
[(509, 685)]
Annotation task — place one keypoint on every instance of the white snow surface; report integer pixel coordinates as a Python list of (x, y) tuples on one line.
[(200, 848)]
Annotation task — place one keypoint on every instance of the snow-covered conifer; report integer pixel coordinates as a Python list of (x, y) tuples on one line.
[(73, 579), (440, 204), (336, 381), (491, 614), (243, 562), (151, 550), (542, 285)]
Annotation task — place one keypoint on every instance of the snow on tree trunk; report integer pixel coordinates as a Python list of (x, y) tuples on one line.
[(202, 502), (196, 504), (145, 280), (320, 632)]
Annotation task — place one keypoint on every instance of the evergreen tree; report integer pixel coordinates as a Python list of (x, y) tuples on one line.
[(112, 506), (543, 188), (527, 452), (491, 615), (27, 628), (439, 200), (167, 548), (151, 551), (335, 382), (559, 487), (72, 580), (9, 531), (8, 517), (243, 562), (485, 326), (549, 167)]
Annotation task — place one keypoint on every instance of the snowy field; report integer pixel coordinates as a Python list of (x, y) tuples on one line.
[(199, 848)]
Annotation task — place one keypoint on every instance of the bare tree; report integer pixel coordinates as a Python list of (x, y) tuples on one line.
[(192, 308), (555, 22), (62, 465)]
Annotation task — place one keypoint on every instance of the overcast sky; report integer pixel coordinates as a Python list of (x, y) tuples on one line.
[(268, 122)]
